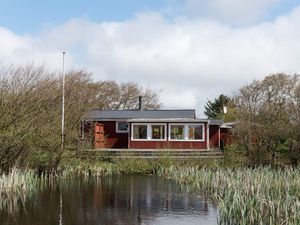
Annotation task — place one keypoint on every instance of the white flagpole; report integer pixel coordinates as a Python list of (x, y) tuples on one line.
[(63, 104)]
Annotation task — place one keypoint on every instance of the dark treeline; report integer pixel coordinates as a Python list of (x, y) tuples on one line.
[(30, 111)]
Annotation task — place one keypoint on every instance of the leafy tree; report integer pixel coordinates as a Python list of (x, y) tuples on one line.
[(268, 117), (292, 143), (215, 109)]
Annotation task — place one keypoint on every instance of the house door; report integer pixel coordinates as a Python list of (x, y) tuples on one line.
[(99, 135), (214, 136)]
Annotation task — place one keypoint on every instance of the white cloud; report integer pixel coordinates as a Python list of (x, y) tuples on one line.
[(235, 12), (190, 60), (177, 97), (22, 50)]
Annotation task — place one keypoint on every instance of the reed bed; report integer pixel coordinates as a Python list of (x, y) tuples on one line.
[(17, 181), (105, 168), (82, 170), (15, 186), (246, 196)]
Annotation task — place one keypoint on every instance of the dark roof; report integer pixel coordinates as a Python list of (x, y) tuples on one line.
[(134, 114)]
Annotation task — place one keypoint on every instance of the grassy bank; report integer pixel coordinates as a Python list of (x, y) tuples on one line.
[(110, 166)]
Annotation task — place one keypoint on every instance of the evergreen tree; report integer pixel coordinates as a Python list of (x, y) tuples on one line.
[(214, 109)]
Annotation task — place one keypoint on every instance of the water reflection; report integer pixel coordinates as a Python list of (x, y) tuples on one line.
[(114, 200)]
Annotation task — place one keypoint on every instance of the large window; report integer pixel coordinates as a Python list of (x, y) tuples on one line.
[(148, 131), (158, 131), (177, 132), (195, 132), (186, 132), (140, 132), (122, 127)]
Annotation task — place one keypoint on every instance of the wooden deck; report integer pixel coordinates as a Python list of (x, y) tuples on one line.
[(152, 153)]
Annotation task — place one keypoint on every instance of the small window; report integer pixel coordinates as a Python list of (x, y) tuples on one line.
[(122, 127), (177, 132), (139, 131), (195, 132), (158, 131)]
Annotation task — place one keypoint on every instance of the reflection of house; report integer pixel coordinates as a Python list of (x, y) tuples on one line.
[(152, 129)]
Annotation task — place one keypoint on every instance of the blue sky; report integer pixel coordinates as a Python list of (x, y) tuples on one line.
[(33, 15), (187, 50)]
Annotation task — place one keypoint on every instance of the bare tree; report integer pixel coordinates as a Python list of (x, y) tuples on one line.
[(20, 106), (77, 102), (111, 95), (30, 111)]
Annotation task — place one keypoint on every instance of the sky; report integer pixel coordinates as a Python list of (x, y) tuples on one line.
[(189, 51)]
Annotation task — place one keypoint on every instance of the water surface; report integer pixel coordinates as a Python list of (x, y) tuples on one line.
[(113, 200)]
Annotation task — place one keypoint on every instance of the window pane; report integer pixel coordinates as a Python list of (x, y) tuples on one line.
[(122, 126), (140, 131), (177, 132), (195, 132), (158, 131)]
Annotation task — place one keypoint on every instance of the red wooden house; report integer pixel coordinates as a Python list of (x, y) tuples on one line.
[(153, 129)]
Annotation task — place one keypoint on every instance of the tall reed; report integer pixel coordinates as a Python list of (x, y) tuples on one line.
[(247, 196), (14, 186)]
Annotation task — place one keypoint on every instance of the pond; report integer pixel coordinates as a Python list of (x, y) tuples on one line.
[(113, 200)]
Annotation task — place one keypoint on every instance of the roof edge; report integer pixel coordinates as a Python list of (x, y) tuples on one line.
[(133, 110)]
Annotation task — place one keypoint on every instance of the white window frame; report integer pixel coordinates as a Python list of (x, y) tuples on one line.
[(121, 131), (149, 131), (132, 131), (203, 129), (186, 131), (165, 131)]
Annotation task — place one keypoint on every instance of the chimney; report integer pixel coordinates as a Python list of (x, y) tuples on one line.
[(140, 103)]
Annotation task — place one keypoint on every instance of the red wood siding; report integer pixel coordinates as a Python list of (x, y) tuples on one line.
[(113, 139), (214, 136)]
